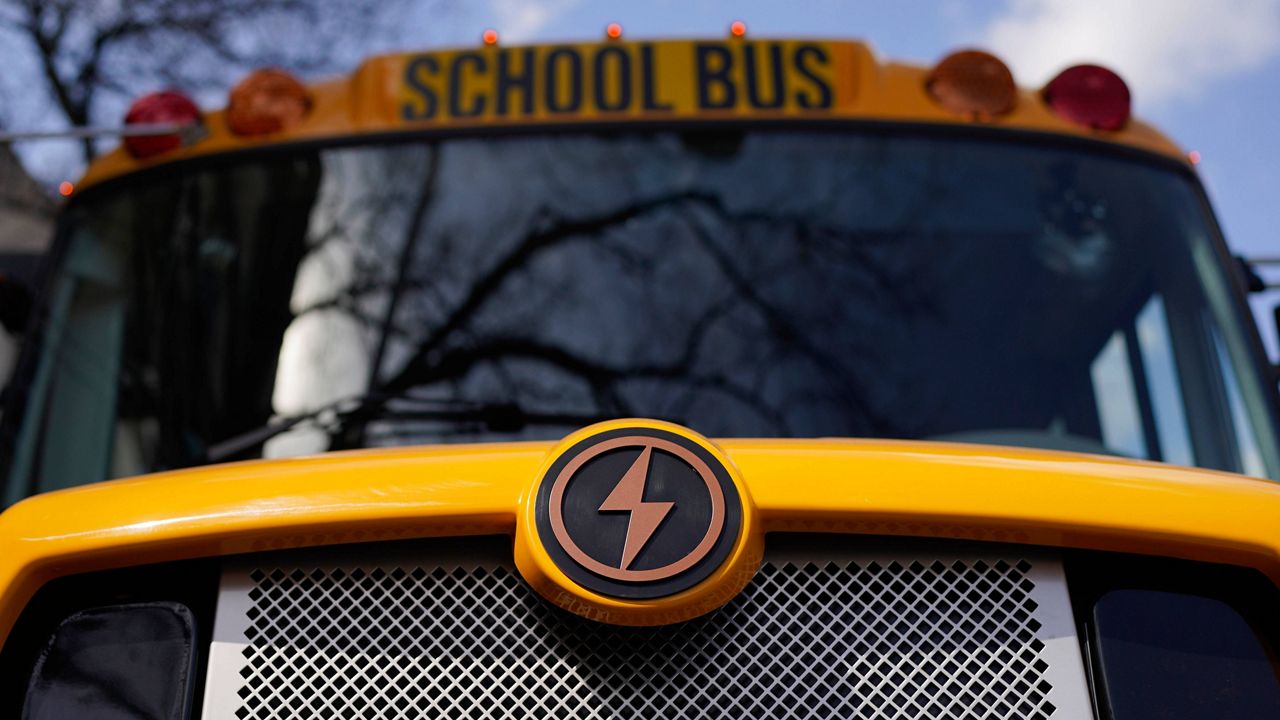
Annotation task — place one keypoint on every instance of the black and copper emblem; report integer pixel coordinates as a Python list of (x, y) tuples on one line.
[(638, 513)]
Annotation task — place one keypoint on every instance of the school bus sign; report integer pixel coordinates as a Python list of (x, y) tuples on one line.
[(618, 80)]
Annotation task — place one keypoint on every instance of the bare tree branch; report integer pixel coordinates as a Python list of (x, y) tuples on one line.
[(88, 50), (516, 259)]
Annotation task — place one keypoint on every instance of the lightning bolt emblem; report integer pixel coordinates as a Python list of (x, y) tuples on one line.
[(628, 496)]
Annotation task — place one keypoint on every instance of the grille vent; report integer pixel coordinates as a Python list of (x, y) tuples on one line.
[(824, 639)]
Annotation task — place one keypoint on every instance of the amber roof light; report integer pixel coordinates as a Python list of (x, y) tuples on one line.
[(267, 101), (974, 83)]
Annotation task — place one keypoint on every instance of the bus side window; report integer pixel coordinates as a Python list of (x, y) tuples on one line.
[(1140, 404), (1116, 397), (1242, 430), (1168, 406)]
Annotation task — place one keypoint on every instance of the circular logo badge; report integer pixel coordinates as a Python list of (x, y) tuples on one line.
[(638, 513)]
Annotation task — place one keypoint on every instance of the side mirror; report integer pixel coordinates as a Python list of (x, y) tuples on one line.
[(1253, 282), (15, 304)]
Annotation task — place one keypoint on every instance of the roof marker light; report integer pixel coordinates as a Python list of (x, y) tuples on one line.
[(65, 188), (489, 37), (613, 31), (1089, 95), (1194, 157), (738, 29), (167, 107), (974, 83), (268, 100)]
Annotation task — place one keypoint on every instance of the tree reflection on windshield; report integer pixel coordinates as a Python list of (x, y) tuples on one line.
[(693, 301), (743, 283), (772, 290)]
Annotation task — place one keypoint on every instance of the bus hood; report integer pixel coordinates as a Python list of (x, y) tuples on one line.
[(872, 487)]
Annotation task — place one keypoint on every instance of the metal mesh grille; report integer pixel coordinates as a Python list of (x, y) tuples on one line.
[(838, 639)]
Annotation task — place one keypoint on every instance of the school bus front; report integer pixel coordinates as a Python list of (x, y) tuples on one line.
[(742, 378)]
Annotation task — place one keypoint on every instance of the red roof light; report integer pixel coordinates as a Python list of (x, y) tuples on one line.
[(1089, 95), (167, 107)]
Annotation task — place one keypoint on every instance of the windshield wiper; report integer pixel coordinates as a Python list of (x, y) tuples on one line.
[(502, 417)]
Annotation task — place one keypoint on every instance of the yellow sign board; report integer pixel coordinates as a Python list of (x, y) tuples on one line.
[(615, 80)]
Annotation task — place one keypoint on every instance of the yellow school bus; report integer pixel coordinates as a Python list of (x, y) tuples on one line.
[(704, 378)]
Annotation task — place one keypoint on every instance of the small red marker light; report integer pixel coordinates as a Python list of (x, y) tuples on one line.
[(490, 37), (1194, 157), (65, 188), (613, 31), (738, 28)]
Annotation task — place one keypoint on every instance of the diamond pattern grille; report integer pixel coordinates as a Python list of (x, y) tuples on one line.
[(953, 639)]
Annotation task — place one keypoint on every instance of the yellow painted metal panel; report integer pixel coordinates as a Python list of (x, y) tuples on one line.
[(869, 487)]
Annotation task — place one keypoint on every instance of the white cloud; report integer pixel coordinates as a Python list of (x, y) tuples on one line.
[(1165, 49), (520, 20)]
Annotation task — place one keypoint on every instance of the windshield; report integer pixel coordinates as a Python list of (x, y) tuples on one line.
[(744, 283)]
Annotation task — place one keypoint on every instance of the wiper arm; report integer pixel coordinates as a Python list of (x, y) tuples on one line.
[(496, 417), (236, 444)]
